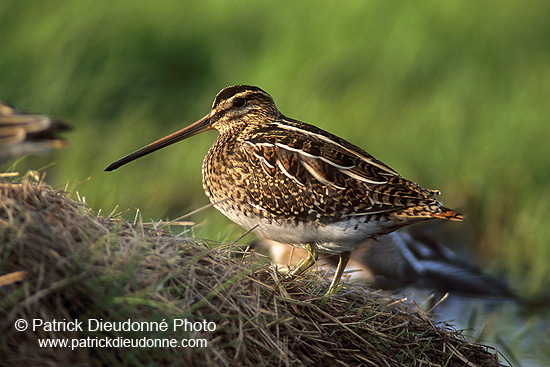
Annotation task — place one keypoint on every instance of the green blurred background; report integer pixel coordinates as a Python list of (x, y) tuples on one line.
[(453, 95)]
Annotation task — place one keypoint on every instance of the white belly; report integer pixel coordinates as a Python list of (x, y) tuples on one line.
[(332, 238)]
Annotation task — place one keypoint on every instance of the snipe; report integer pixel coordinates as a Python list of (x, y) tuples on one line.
[(22, 133), (294, 183)]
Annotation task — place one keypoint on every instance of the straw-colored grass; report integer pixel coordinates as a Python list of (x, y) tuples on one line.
[(78, 266)]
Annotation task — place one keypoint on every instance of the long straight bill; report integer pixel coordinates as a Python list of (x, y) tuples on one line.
[(187, 132)]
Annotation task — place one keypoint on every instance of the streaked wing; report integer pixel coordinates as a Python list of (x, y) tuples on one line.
[(318, 161), (314, 160), (22, 133), (11, 135), (338, 150), (15, 125)]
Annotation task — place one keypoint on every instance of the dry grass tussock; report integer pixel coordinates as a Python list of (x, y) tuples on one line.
[(78, 266)]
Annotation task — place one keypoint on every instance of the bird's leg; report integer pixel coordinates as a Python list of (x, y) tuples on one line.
[(306, 263), (342, 262)]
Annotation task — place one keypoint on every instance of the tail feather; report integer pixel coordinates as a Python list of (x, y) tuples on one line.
[(449, 214)]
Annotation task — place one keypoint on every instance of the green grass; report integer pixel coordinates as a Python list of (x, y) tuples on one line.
[(453, 96)]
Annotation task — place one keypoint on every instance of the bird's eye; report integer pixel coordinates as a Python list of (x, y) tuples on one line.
[(238, 102)]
